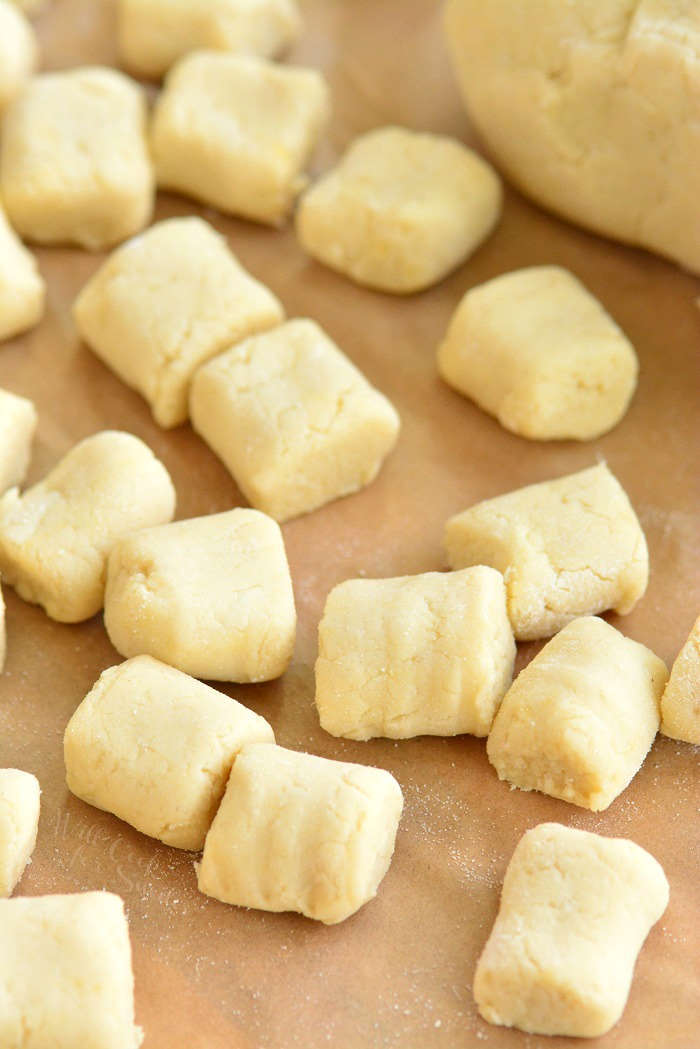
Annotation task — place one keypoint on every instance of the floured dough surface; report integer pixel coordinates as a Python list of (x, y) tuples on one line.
[(18, 421), (22, 289), (575, 910), (680, 705), (19, 821), (18, 52), (579, 720)]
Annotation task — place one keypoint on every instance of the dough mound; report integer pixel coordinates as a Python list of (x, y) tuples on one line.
[(587, 106)]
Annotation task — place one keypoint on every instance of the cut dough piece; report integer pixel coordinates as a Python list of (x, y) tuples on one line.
[(575, 910), (56, 537), (535, 349), (680, 705), (429, 654), (566, 548), (211, 596), (22, 289), (579, 720), (17, 425), (153, 34), (19, 822), (155, 747), (74, 166), (401, 209), (18, 52), (65, 970), (294, 421), (296, 832), (237, 132), (165, 303)]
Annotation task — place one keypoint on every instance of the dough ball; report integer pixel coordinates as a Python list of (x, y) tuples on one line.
[(155, 747), (211, 596), (680, 705), (164, 303), (401, 209), (18, 52), (74, 166), (19, 821), (575, 910), (536, 350), (429, 654), (296, 832), (294, 421), (65, 970), (237, 132), (17, 425), (153, 34), (56, 537), (22, 289), (579, 720), (566, 548), (589, 107)]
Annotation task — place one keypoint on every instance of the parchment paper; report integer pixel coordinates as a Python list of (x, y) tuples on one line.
[(399, 972)]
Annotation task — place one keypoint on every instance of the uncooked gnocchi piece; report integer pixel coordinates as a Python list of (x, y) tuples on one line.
[(566, 548), (680, 704), (294, 421), (237, 132), (22, 289), (65, 970), (153, 34), (18, 52), (427, 654), (575, 910), (17, 425), (155, 747), (56, 537), (166, 302), (538, 351), (74, 166), (401, 209), (579, 720), (296, 832), (211, 596), (19, 821)]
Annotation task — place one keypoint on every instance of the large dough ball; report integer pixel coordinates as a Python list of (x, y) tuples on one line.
[(591, 108)]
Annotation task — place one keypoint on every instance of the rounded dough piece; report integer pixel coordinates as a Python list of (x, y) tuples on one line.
[(18, 421), (18, 52), (19, 821), (680, 704), (22, 288), (590, 107)]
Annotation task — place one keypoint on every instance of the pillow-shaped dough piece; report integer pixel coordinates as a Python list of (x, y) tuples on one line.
[(22, 289), (296, 832), (17, 425), (579, 720), (18, 52), (166, 302), (294, 421), (65, 970), (153, 34), (74, 166), (155, 747), (575, 910), (401, 210), (237, 132), (680, 704), (535, 349), (211, 596), (419, 655), (19, 821), (56, 537), (566, 548)]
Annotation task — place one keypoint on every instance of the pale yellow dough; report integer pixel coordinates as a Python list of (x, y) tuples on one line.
[(427, 654), (153, 34), (296, 832), (579, 720), (575, 910), (680, 705), (3, 633), (538, 351), (294, 421), (19, 821), (56, 537), (18, 421), (237, 132), (65, 970), (22, 289), (166, 302), (155, 747), (401, 209), (74, 166), (18, 52), (211, 596), (566, 548)]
